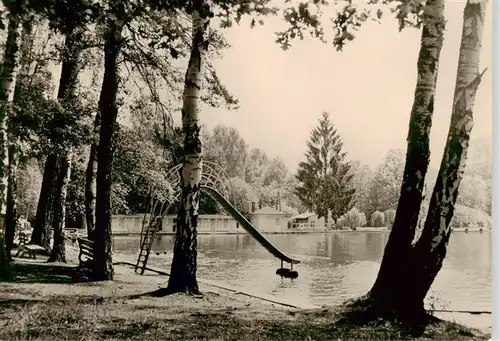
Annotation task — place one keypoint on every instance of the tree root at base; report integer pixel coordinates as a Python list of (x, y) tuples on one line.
[(365, 310), (161, 292)]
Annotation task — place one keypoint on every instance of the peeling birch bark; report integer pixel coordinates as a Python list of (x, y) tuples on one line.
[(430, 250), (388, 293), (184, 262)]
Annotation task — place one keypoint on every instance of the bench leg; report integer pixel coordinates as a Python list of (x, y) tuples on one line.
[(20, 253), (20, 250)]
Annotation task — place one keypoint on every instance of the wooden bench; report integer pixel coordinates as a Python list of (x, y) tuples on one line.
[(25, 248), (86, 252)]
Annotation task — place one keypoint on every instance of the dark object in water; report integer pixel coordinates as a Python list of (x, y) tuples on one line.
[(282, 272), (157, 253), (287, 273)]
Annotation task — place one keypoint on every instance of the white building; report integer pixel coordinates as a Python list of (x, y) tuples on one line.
[(268, 219), (207, 224)]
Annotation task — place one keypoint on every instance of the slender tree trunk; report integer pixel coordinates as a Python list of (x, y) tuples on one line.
[(7, 84), (5, 273), (11, 212), (66, 96), (26, 42), (184, 262), (44, 212), (103, 261), (388, 295), (430, 249), (58, 253), (90, 180)]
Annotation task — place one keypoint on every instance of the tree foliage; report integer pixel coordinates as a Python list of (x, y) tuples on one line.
[(227, 148), (386, 185), (306, 18), (325, 179), (361, 182), (354, 218), (377, 219), (379, 190)]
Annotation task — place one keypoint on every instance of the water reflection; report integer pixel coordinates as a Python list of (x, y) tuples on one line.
[(335, 266)]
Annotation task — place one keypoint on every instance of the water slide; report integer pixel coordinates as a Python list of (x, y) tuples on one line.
[(248, 226)]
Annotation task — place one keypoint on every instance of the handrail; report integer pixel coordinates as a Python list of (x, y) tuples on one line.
[(248, 226)]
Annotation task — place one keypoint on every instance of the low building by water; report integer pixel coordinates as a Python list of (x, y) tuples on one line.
[(207, 223), (267, 220), (306, 219), (309, 220)]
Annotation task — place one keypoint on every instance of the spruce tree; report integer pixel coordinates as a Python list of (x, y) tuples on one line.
[(325, 179)]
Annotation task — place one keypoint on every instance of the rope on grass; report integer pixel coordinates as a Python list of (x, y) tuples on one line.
[(472, 312)]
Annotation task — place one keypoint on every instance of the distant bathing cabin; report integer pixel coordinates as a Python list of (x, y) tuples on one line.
[(309, 221), (269, 219), (304, 220)]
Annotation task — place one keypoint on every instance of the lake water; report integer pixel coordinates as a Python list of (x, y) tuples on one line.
[(334, 267)]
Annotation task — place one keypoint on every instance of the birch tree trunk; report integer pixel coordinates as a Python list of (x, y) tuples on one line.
[(11, 212), (388, 295), (103, 261), (7, 84), (430, 249), (184, 262), (90, 180), (26, 40)]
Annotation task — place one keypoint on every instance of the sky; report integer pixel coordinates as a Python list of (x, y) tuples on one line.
[(367, 88)]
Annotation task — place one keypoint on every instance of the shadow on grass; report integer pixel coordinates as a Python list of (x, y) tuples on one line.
[(162, 292), (30, 272), (155, 293), (11, 303)]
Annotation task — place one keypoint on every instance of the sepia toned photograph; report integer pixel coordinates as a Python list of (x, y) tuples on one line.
[(247, 170)]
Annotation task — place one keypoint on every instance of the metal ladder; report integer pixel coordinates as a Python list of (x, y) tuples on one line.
[(148, 233), (159, 209)]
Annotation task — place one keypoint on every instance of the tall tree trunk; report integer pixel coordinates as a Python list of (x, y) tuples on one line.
[(184, 262), (26, 42), (11, 212), (90, 180), (430, 249), (5, 273), (7, 84), (58, 253), (66, 96), (103, 261), (388, 294), (44, 212)]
